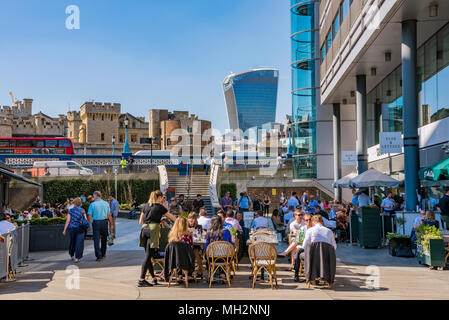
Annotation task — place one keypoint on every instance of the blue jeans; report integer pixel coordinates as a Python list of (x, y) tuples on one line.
[(100, 235), (132, 213), (76, 246)]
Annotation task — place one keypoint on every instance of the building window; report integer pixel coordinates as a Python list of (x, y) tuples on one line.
[(189, 130), (134, 125), (121, 138), (102, 136), (112, 118), (133, 138), (93, 117), (168, 142), (102, 117)]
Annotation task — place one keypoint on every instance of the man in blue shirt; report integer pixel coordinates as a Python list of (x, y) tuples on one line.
[(312, 204), (355, 199), (113, 204), (259, 221), (244, 202), (293, 201), (289, 215), (99, 214)]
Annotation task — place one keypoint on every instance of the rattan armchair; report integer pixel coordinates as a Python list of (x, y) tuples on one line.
[(263, 256), (220, 255)]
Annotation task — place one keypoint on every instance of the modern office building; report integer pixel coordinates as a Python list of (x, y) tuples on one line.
[(383, 67), (251, 98)]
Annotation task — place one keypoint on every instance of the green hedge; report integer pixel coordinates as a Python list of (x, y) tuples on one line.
[(231, 187), (42, 221), (60, 190)]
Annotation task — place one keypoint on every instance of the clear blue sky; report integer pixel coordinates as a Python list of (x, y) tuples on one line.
[(141, 53)]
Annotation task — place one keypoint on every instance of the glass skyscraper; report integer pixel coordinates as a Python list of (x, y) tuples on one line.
[(304, 88), (251, 98)]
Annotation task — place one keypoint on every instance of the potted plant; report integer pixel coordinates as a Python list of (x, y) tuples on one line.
[(399, 245), (430, 246), (46, 234)]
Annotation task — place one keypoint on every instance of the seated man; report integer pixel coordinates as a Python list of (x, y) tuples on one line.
[(204, 220), (297, 230), (259, 221), (318, 233)]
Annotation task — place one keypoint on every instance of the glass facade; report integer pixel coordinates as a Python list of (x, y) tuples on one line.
[(253, 99), (385, 100), (304, 60)]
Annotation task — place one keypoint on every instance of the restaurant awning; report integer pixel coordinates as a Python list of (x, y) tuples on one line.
[(373, 178), (344, 181), (436, 172), (13, 175)]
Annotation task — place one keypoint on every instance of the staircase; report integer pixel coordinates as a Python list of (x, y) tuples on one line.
[(192, 185)]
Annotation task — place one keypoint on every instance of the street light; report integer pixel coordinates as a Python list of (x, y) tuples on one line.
[(289, 128), (113, 145), (151, 148), (126, 145)]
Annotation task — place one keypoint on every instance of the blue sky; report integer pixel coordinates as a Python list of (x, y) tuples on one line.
[(141, 53)]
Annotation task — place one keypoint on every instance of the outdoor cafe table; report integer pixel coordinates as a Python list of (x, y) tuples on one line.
[(271, 237)]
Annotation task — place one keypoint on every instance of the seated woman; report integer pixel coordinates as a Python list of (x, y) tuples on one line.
[(277, 223), (193, 226), (430, 221), (180, 232), (342, 225), (217, 233)]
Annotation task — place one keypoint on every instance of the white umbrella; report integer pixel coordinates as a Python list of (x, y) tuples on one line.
[(373, 178), (344, 182)]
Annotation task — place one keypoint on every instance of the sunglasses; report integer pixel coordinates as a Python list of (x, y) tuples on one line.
[(306, 220)]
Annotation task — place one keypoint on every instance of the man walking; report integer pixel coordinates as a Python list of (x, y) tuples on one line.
[(99, 214), (114, 208), (443, 204)]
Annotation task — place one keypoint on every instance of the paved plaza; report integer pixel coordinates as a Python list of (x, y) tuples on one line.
[(45, 277)]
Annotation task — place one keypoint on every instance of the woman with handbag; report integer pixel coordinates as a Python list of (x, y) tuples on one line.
[(150, 220), (78, 225)]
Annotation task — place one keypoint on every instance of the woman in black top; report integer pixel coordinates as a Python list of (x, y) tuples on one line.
[(150, 219)]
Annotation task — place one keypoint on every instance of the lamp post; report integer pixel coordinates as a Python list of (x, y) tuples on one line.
[(152, 139), (126, 151), (289, 128), (113, 146)]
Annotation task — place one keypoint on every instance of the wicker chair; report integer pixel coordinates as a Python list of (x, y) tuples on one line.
[(174, 273), (158, 262), (263, 256), (220, 255)]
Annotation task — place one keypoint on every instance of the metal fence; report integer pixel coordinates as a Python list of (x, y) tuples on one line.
[(14, 251)]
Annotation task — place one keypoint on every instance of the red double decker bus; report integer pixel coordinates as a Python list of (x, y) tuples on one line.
[(36, 146)]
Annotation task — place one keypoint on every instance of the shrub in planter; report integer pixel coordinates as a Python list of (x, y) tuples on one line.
[(231, 187), (430, 246)]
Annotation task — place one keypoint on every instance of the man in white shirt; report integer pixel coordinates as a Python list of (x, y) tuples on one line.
[(318, 233), (204, 220), (364, 200), (296, 227), (5, 225)]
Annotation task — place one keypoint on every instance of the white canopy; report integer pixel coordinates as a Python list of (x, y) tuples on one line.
[(373, 178), (344, 182)]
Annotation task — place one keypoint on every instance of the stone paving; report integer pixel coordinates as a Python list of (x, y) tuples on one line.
[(46, 277)]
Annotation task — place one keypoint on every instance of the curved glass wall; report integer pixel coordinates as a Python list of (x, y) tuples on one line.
[(304, 60)]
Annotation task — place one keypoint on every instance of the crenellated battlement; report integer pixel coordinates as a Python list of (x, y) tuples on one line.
[(99, 107)]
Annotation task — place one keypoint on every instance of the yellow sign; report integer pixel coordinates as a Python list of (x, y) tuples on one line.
[(273, 192)]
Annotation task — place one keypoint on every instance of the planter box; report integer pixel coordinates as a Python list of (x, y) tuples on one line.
[(436, 256), (48, 238), (400, 247), (370, 227)]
